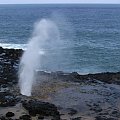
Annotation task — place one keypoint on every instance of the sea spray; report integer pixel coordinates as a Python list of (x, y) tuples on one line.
[(44, 35)]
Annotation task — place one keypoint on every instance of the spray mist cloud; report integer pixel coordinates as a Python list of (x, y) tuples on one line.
[(45, 32)]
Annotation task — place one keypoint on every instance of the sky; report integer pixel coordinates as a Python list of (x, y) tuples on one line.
[(58, 1)]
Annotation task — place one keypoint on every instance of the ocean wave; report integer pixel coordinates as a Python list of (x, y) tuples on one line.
[(14, 46)]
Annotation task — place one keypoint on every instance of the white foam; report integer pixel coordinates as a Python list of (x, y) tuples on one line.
[(13, 46)]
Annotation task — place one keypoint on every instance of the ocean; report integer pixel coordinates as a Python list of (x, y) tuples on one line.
[(90, 35)]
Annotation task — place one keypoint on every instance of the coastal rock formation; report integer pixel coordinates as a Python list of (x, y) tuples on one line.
[(9, 60), (93, 96), (10, 114), (9, 63), (7, 99), (42, 108), (25, 117)]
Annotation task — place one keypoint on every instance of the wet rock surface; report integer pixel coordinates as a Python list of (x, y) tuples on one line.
[(42, 108), (10, 114), (9, 60), (8, 99), (25, 117), (66, 96)]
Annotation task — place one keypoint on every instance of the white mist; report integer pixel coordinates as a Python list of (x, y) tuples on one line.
[(45, 33)]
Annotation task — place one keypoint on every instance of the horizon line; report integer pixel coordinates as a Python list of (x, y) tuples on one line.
[(58, 3)]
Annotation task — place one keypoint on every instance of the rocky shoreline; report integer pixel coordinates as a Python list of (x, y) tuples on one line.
[(90, 97)]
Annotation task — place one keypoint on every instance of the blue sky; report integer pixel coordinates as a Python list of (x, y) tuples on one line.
[(58, 1)]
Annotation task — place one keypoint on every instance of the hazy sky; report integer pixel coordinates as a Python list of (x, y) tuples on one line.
[(57, 1)]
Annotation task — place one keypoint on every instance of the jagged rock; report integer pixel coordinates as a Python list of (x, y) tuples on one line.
[(96, 109), (104, 77), (7, 99), (4, 118), (115, 114), (9, 60), (1, 50), (40, 117), (104, 118), (72, 111), (10, 114), (78, 118), (42, 108), (25, 117)]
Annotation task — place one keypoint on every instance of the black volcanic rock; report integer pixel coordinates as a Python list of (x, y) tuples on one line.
[(25, 117), (107, 77), (72, 111), (1, 50), (7, 99), (12, 53), (42, 108), (78, 118), (9, 62), (40, 117), (10, 114), (104, 118)]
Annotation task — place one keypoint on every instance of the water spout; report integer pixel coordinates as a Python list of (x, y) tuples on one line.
[(43, 34)]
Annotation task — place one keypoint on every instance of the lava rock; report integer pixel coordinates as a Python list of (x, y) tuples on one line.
[(42, 108), (10, 114), (78, 118), (115, 114), (96, 110), (72, 111), (25, 117), (7, 99), (9, 60), (108, 77), (40, 117), (1, 50), (104, 118), (5, 118)]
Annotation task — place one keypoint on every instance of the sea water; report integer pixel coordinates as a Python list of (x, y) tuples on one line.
[(91, 35)]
